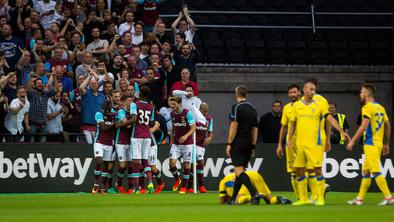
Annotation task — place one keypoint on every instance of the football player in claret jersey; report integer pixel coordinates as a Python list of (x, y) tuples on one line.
[(294, 93), (181, 141), (376, 128), (305, 120), (122, 141), (226, 190), (103, 145), (204, 136), (142, 114)]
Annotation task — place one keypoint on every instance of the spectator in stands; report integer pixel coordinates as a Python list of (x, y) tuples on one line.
[(8, 86), (136, 75), (160, 31), (116, 66), (17, 116), (186, 26), (59, 59), (71, 120), (157, 87), (99, 46), (187, 59), (128, 25), (38, 96), (335, 136), (185, 79), (138, 36), (87, 62), (67, 84), (5, 10), (269, 124), (107, 90), (173, 72), (3, 113), (149, 14), (24, 67), (145, 47), (55, 113), (188, 99), (110, 32), (103, 75), (127, 41), (122, 86), (141, 64), (4, 67), (93, 99), (46, 8), (10, 44), (180, 40), (39, 72)]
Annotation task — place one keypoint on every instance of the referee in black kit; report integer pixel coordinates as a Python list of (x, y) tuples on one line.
[(241, 142)]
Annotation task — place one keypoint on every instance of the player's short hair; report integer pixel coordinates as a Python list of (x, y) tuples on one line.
[(176, 99), (181, 34), (312, 80), (144, 92), (107, 105), (370, 87), (333, 103), (115, 91), (292, 86), (20, 87), (167, 57), (241, 91)]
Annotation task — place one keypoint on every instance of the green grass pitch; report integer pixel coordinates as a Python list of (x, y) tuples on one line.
[(170, 206)]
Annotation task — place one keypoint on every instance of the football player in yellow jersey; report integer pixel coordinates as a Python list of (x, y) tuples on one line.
[(376, 128), (226, 189), (305, 122), (293, 91)]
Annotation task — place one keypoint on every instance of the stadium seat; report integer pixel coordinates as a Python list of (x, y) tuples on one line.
[(318, 52), (235, 50), (216, 54), (258, 19), (251, 36), (219, 20), (209, 35), (272, 36), (278, 20), (334, 36), (174, 3), (202, 19), (258, 4), (298, 53), (239, 19), (381, 53), (292, 36), (339, 52), (355, 36), (213, 42), (237, 3), (231, 36), (277, 51), (167, 10), (360, 53), (257, 52)]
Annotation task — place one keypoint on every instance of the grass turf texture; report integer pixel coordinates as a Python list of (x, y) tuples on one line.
[(170, 206)]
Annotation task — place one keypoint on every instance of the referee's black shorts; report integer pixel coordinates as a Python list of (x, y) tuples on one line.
[(241, 152)]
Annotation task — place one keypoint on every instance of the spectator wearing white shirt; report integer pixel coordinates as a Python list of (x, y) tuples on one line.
[(138, 36), (186, 26), (18, 114), (128, 25), (46, 8), (103, 75), (99, 46), (55, 113), (190, 102)]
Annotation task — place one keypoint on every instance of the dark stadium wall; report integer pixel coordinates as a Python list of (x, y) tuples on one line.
[(28, 168)]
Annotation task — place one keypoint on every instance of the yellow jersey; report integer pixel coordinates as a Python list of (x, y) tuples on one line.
[(285, 121), (376, 114), (226, 185), (321, 101), (308, 119)]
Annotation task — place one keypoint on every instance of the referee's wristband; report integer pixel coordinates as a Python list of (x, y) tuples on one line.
[(229, 144)]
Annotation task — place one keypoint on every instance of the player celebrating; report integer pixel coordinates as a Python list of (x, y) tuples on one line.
[(226, 189), (306, 119), (142, 115), (122, 142), (181, 141), (103, 146), (204, 137), (293, 92), (376, 129)]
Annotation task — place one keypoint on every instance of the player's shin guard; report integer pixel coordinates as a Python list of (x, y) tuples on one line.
[(130, 176), (120, 175), (174, 172), (147, 170), (142, 178), (302, 188), (104, 179), (200, 174), (157, 175), (382, 184), (294, 185), (321, 186), (313, 186), (97, 173), (186, 177), (136, 176), (365, 184)]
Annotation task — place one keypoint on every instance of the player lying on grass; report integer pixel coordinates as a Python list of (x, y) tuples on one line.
[(226, 188)]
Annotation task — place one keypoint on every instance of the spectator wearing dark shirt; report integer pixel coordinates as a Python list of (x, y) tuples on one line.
[(8, 86), (3, 113), (269, 124), (156, 86), (173, 72), (67, 84), (187, 59), (335, 136), (10, 44)]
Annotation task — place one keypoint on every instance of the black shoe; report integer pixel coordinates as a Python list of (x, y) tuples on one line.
[(283, 200), (256, 199), (231, 202)]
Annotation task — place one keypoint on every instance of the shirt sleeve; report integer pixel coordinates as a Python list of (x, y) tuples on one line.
[(365, 112), (121, 114), (233, 115), (222, 188), (386, 117), (152, 117), (133, 109), (99, 117), (190, 118), (285, 120), (210, 127), (14, 104)]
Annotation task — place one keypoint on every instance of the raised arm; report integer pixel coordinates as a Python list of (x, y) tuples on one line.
[(175, 23), (84, 84)]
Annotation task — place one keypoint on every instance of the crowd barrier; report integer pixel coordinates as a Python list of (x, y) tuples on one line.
[(69, 167)]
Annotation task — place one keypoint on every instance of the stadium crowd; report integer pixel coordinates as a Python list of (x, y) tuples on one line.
[(60, 60)]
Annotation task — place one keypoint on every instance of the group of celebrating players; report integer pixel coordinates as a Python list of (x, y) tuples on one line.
[(131, 130), (306, 122)]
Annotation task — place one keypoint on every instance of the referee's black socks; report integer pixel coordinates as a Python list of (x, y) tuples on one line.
[(245, 180)]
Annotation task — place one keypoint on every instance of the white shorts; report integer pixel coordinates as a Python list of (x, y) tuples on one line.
[(140, 148), (152, 158), (184, 151), (200, 151), (123, 151), (104, 151)]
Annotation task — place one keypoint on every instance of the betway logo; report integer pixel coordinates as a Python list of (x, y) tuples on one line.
[(22, 168)]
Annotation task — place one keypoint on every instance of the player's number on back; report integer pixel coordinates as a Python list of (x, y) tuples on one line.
[(379, 120), (144, 117)]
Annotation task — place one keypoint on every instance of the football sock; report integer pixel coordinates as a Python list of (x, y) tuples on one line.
[(382, 184), (157, 175), (302, 188), (294, 185), (313, 186), (174, 172), (136, 176), (120, 175), (147, 170), (365, 184), (200, 174), (97, 173), (321, 187), (245, 180), (186, 177)]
